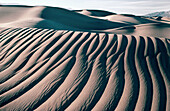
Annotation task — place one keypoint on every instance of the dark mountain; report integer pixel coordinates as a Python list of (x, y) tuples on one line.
[(159, 14)]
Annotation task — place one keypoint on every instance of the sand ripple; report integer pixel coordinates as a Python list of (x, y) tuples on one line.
[(43, 69)]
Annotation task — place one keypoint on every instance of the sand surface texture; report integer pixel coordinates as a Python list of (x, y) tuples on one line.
[(56, 59)]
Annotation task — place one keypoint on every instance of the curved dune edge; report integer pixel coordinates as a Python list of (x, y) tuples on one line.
[(46, 69)]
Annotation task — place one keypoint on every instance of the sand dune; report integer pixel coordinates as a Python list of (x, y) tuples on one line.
[(43, 69), (51, 17), (56, 59), (98, 13), (85, 20)]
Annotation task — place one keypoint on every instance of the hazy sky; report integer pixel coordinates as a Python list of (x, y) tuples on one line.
[(138, 7)]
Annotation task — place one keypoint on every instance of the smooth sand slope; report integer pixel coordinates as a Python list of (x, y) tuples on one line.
[(51, 17), (81, 68)]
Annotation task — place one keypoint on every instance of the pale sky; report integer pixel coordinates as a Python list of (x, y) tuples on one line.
[(137, 7)]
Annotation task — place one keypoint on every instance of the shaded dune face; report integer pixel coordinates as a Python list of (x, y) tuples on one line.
[(46, 69)]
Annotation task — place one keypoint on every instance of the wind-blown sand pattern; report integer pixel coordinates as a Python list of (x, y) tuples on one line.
[(49, 69)]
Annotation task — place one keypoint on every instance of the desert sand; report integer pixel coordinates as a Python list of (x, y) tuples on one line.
[(57, 59)]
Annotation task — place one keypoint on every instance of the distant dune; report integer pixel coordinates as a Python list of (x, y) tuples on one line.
[(56, 59), (98, 13)]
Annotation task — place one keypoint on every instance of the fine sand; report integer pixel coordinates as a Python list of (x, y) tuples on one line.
[(56, 59)]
